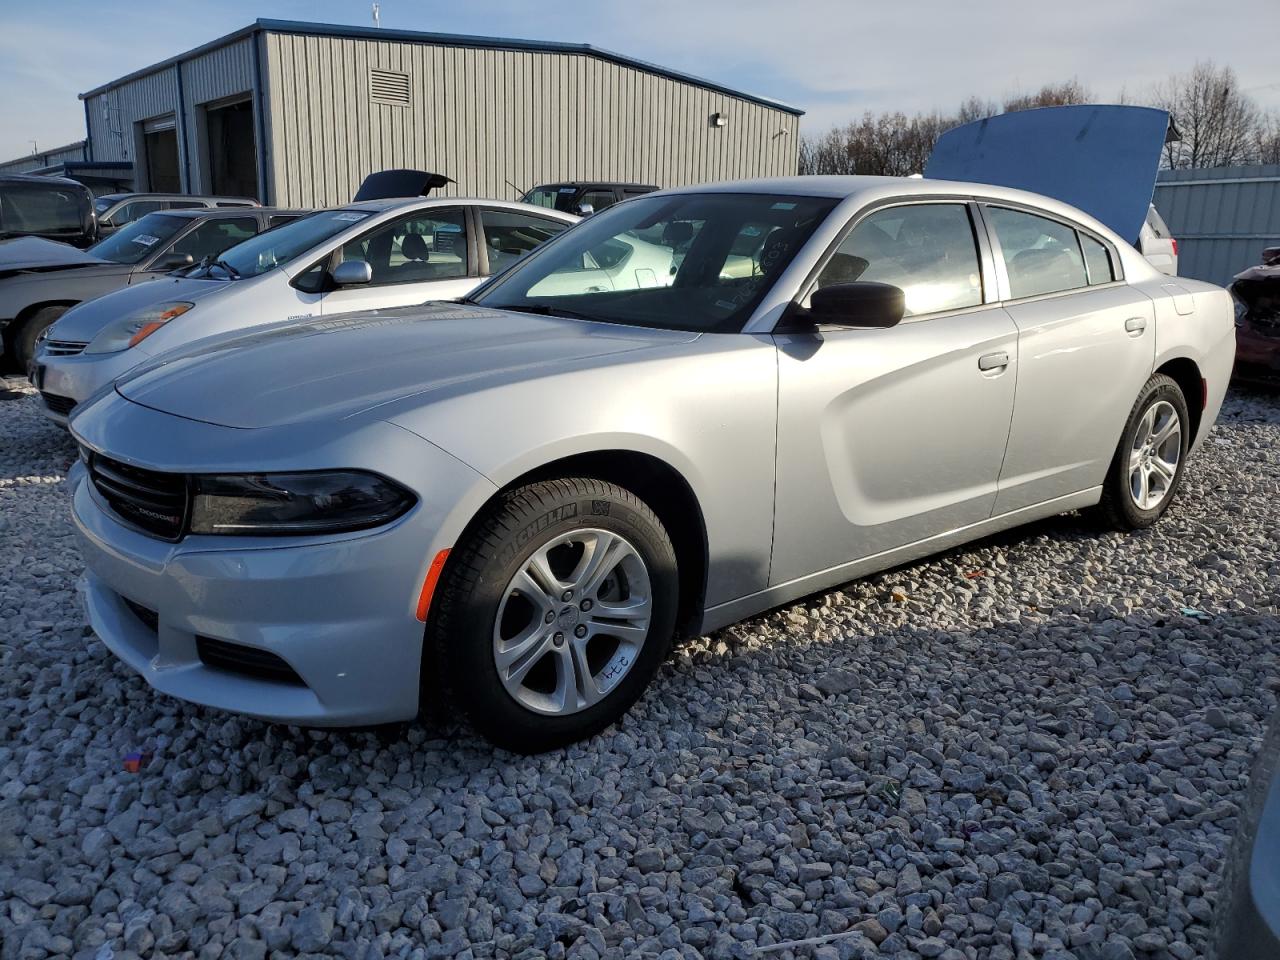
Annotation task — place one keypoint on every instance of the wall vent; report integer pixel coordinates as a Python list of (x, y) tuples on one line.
[(387, 86)]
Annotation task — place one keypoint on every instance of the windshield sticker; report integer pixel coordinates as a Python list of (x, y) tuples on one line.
[(349, 217), (568, 189), (146, 239), (783, 206)]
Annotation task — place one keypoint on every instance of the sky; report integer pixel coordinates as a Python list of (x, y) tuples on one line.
[(832, 59)]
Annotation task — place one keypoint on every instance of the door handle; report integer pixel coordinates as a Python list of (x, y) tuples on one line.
[(993, 361), (1135, 325)]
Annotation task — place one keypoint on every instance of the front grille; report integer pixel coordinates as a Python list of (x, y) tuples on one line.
[(150, 619), (59, 405), (249, 661), (154, 501), (63, 348)]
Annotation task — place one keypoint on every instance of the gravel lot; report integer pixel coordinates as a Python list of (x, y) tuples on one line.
[(1029, 748)]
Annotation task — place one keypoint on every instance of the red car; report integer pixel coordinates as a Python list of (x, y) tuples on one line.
[(1257, 296)]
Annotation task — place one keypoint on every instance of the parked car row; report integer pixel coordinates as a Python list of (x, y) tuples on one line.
[(306, 495), (41, 279), (369, 254)]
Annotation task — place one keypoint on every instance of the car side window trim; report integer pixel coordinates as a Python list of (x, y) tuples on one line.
[(1001, 272), (987, 258)]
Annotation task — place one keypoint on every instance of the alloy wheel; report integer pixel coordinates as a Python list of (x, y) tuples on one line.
[(1155, 455), (572, 621)]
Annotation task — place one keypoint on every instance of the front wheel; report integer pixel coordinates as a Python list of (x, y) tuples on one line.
[(1148, 463), (555, 611), (28, 334)]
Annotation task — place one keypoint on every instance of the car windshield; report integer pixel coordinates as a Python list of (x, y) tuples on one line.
[(134, 242), (285, 243), (696, 261)]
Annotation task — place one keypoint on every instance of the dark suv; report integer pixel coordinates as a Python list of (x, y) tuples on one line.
[(51, 207), (583, 197)]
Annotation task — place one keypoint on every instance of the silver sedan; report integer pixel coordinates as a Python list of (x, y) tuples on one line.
[(690, 408)]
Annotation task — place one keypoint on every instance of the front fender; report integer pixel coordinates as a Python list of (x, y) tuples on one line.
[(708, 411)]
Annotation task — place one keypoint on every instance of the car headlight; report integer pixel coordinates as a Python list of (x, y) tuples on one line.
[(277, 504), (131, 330)]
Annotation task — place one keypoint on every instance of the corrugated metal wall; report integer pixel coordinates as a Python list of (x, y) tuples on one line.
[(486, 117), (113, 113), (215, 75), (1222, 217), (35, 161)]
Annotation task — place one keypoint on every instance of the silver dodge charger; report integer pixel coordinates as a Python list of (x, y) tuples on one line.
[(688, 409)]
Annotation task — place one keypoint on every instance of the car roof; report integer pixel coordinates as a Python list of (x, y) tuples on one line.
[(868, 189), (38, 178), (597, 183), (213, 213), (115, 197), (423, 203)]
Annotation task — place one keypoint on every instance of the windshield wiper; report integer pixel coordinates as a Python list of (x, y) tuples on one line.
[(542, 310), (232, 272)]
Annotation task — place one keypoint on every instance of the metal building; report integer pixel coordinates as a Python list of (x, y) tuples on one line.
[(298, 113), (1222, 217)]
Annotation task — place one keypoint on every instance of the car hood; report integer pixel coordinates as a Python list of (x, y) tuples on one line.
[(37, 253), (1101, 159), (84, 321), (349, 364)]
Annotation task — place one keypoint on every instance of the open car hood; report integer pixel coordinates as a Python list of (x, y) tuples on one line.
[(389, 184), (1100, 158), (37, 253)]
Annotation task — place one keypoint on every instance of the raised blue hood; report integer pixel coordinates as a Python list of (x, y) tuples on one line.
[(1100, 158)]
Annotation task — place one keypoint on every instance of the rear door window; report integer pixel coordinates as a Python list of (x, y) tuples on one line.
[(927, 249), (1040, 255)]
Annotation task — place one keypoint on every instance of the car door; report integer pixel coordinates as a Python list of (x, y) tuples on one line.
[(508, 236), (1086, 343), (890, 436), (426, 255)]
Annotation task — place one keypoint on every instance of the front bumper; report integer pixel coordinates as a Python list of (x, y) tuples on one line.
[(339, 611), (65, 382)]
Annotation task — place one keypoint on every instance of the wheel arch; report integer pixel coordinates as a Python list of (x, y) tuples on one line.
[(659, 484), (1186, 373)]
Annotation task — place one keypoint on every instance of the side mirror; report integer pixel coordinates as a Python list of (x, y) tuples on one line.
[(861, 304), (585, 209), (176, 261), (352, 273)]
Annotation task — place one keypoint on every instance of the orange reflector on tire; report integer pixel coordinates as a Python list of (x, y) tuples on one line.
[(429, 584)]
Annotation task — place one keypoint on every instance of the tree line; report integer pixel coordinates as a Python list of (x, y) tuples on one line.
[(1219, 124)]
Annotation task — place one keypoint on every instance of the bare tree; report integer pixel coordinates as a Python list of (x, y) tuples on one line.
[(1067, 93), (1219, 124), (1267, 139)]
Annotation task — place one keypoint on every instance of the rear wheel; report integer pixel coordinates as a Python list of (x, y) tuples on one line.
[(555, 612), (1148, 463), (28, 332)]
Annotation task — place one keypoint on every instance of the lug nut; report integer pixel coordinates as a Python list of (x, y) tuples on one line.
[(558, 639), (580, 630), (586, 605), (550, 617), (567, 596)]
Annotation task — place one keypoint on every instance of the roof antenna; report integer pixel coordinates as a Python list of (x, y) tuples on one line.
[(377, 14)]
